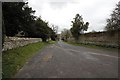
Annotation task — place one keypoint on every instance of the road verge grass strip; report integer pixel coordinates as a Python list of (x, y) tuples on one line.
[(14, 59), (94, 46)]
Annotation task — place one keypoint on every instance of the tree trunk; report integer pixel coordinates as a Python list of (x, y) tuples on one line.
[(44, 39)]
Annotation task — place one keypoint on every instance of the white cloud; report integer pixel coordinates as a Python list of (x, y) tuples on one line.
[(62, 12)]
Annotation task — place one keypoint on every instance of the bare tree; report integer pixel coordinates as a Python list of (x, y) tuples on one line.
[(66, 34)]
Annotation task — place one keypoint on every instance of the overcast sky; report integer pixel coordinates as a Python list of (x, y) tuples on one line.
[(62, 12)]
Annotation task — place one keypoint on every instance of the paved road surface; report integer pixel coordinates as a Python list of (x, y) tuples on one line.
[(62, 60)]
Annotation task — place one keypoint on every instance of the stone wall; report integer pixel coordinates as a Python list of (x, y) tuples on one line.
[(14, 42), (108, 39)]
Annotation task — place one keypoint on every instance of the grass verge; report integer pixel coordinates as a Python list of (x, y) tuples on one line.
[(52, 42), (94, 46), (14, 59)]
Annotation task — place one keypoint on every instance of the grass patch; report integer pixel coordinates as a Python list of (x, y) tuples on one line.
[(94, 46), (14, 59), (52, 42)]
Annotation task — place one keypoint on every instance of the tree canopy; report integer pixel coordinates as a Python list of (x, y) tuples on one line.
[(18, 17), (42, 29), (113, 23), (78, 26)]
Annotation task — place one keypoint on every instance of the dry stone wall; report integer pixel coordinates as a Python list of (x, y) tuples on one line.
[(108, 39), (14, 42)]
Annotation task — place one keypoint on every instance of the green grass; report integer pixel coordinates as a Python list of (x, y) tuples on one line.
[(14, 59), (94, 46), (52, 42)]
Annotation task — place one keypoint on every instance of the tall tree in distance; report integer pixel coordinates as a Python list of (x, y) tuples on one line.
[(65, 34), (78, 26), (55, 28), (54, 32), (113, 23)]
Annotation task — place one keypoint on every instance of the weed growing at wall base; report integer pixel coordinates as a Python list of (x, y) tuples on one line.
[(102, 47)]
